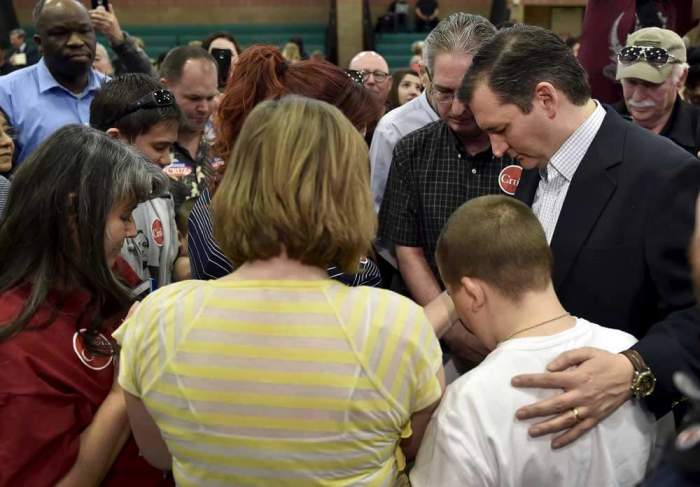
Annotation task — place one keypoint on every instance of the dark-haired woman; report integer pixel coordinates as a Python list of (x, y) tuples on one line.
[(217, 44), (262, 73), (63, 289), (405, 86)]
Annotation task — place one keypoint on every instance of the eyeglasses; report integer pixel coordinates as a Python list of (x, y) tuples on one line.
[(158, 99), (441, 96), (379, 76), (656, 56)]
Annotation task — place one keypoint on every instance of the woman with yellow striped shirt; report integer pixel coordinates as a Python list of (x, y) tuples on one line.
[(275, 374)]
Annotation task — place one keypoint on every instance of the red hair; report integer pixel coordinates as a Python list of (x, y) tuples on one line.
[(262, 73)]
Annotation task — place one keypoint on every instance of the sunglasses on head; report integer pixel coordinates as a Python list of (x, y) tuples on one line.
[(354, 75), (158, 99), (656, 56)]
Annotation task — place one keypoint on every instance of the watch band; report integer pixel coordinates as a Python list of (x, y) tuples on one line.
[(636, 359), (643, 380)]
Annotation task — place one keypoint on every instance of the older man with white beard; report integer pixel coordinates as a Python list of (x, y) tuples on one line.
[(652, 68)]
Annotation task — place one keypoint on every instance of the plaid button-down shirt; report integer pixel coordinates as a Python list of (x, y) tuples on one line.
[(430, 177)]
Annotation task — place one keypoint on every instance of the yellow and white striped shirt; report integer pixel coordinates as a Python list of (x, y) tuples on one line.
[(280, 382)]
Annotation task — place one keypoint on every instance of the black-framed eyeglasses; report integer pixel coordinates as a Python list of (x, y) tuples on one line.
[(157, 99), (656, 56), (379, 76), (442, 96)]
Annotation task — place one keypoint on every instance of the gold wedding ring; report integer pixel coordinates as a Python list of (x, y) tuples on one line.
[(577, 417)]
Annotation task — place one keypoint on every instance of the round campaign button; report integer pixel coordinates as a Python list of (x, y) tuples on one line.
[(509, 178), (157, 232), (94, 362), (177, 169)]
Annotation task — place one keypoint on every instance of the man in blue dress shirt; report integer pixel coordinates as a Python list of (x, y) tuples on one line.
[(57, 90)]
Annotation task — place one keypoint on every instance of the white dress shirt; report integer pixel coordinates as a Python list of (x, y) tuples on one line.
[(556, 177), (391, 128)]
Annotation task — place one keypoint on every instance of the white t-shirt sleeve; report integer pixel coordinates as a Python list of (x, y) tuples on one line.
[(454, 451)]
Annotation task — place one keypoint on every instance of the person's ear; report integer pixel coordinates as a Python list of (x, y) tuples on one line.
[(547, 98), (474, 291), (424, 78), (114, 133), (681, 80), (164, 82)]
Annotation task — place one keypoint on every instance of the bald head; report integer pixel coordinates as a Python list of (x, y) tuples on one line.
[(375, 72), (47, 9), (369, 60), (66, 38)]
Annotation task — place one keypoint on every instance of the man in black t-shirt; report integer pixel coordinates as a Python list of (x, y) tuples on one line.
[(426, 15)]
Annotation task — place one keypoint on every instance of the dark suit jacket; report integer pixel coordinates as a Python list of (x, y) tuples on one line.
[(620, 246)]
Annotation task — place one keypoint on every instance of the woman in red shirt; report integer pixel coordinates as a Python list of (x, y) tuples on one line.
[(62, 416)]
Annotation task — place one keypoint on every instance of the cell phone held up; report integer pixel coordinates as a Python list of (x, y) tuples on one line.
[(223, 61), (100, 3)]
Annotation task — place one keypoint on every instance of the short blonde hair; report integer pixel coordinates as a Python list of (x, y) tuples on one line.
[(496, 239), (297, 181)]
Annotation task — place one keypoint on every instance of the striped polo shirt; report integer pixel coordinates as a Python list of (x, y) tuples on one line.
[(280, 382)]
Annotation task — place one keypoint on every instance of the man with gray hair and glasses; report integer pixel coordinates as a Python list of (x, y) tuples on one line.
[(456, 37), (446, 54), (438, 167)]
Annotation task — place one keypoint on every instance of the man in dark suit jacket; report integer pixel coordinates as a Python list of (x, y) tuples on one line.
[(617, 205), (22, 54)]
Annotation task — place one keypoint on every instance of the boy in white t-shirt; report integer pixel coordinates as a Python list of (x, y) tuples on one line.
[(494, 259)]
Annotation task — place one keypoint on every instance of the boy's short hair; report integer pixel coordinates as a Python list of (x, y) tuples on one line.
[(117, 95), (498, 240)]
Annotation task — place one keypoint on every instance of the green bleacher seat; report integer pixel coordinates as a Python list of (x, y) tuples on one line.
[(162, 38), (396, 48), (399, 38), (246, 35)]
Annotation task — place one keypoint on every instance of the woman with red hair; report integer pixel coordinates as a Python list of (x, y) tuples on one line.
[(262, 73)]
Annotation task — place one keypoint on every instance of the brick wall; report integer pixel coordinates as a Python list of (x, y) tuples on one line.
[(182, 12)]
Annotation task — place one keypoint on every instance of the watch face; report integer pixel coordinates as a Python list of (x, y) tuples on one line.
[(645, 383)]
